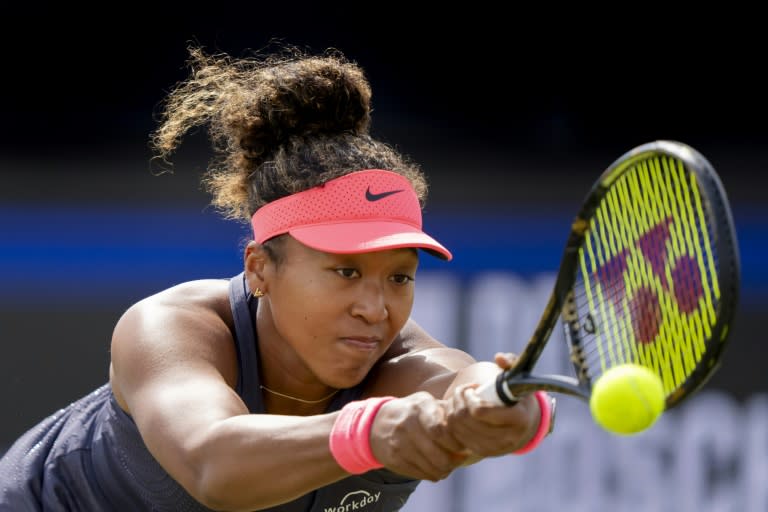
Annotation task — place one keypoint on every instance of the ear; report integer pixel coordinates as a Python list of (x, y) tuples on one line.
[(256, 262)]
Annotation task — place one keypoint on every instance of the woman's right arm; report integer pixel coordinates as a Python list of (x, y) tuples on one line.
[(174, 369)]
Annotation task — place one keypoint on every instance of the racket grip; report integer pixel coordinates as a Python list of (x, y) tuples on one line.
[(496, 392)]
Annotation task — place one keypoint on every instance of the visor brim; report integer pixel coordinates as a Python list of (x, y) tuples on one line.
[(361, 237)]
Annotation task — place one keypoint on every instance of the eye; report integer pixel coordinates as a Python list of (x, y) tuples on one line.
[(348, 273), (402, 279)]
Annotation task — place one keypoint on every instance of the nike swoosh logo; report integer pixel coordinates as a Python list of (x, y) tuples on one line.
[(375, 197)]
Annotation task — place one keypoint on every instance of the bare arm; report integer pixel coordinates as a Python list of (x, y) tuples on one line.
[(174, 371), (418, 362), (174, 368), (484, 429)]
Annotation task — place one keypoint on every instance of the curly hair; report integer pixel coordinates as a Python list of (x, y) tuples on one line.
[(278, 124)]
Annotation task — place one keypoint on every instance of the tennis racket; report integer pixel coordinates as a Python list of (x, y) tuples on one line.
[(649, 276)]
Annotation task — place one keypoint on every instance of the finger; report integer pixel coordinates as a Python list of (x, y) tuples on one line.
[(490, 430), (522, 412), (412, 453), (434, 420), (418, 442), (487, 429), (505, 360), (465, 420), (431, 460)]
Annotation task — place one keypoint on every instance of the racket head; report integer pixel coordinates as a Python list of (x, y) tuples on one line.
[(650, 274)]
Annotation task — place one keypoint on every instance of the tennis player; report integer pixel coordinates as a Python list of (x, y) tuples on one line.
[(300, 384)]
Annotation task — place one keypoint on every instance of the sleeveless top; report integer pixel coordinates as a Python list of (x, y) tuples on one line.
[(89, 456)]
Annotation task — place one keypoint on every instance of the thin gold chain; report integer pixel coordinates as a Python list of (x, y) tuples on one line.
[(265, 388)]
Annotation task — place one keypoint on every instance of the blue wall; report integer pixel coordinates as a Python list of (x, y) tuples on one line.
[(98, 253)]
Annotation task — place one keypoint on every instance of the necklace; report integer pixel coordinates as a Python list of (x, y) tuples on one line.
[(265, 388)]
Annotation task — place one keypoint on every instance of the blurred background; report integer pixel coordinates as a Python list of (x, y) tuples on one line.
[(512, 117)]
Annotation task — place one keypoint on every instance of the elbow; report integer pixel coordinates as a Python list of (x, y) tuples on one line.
[(221, 476), (223, 484), (215, 490), (210, 499), (214, 478)]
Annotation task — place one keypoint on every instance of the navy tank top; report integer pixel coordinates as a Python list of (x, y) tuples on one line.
[(89, 456)]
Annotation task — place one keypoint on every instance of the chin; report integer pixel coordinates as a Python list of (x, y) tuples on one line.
[(343, 378)]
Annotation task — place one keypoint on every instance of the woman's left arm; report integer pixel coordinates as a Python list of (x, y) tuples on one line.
[(421, 363), (418, 362)]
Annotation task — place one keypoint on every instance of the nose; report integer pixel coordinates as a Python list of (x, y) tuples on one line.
[(370, 303)]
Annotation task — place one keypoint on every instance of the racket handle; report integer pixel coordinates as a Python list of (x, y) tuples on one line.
[(496, 391)]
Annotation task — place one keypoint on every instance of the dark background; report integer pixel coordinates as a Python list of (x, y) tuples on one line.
[(511, 113), (75, 78)]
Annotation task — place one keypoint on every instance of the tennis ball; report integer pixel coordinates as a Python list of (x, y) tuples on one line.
[(627, 399)]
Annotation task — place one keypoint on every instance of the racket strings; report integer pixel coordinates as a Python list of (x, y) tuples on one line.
[(647, 289)]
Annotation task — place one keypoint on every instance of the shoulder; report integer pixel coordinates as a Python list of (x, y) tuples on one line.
[(188, 323), (208, 298), (417, 362), (415, 342), (200, 306), (201, 293)]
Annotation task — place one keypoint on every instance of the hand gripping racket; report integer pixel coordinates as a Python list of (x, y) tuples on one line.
[(649, 276)]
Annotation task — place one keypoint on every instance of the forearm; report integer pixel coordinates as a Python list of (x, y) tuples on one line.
[(241, 456)]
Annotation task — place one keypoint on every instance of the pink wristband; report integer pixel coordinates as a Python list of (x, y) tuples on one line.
[(546, 417), (350, 439)]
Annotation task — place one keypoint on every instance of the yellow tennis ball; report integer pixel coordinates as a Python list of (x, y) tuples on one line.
[(627, 399)]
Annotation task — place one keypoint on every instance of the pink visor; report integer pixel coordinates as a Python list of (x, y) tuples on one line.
[(363, 211)]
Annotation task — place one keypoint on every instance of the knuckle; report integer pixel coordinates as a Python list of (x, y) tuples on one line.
[(437, 430)]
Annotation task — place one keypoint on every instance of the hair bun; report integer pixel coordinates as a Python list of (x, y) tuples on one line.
[(315, 95)]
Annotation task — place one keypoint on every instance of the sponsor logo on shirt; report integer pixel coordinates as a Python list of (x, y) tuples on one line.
[(356, 500)]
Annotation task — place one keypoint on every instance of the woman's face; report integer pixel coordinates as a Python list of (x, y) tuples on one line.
[(330, 317)]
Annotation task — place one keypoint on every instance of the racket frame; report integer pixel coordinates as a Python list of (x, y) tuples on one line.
[(561, 303)]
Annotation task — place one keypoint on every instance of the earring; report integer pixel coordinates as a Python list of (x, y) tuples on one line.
[(257, 292)]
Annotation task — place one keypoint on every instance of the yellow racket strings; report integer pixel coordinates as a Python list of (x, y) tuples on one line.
[(647, 284)]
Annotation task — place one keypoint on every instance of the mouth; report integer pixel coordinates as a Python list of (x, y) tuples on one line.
[(362, 343)]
